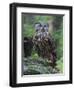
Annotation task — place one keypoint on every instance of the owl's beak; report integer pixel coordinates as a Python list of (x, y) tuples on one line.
[(43, 30)]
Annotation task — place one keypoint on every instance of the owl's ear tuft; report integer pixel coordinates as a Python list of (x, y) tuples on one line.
[(37, 26)]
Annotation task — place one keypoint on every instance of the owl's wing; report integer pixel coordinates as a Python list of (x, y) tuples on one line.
[(51, 41)]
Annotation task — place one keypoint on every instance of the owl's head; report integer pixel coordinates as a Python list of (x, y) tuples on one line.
[(43, 27), (41, 30)]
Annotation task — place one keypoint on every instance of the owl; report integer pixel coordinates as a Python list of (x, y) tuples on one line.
[(44, 43)]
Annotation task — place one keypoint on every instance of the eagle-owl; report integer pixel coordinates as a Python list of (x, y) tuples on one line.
[(44, 43)]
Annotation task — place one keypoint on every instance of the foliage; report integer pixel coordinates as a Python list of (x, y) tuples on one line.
[(37, 66)]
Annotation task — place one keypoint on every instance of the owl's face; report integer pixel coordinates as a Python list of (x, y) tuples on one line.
[(41, 30)]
